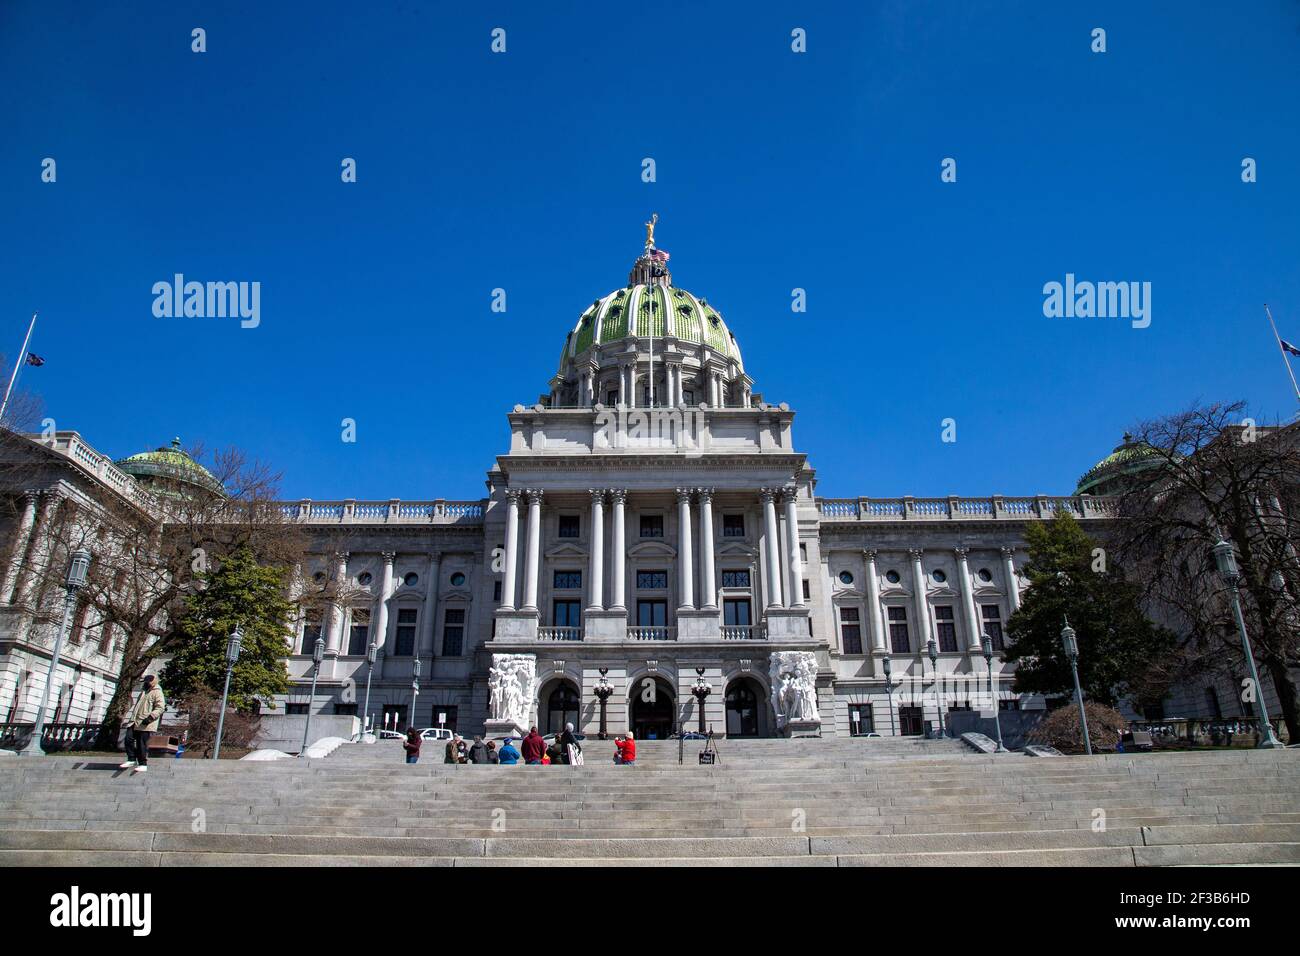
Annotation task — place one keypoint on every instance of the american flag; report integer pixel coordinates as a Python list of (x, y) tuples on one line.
[(658, 255), (34, 359)]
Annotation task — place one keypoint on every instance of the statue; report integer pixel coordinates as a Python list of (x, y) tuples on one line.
[(650, 230), (512, 680), (793, 678)]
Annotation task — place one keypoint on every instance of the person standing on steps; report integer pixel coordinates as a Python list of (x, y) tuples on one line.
[(478, 752), (412, 745), (453, 755), (141, 722), (566, 741), (534, 747), (508, 755)]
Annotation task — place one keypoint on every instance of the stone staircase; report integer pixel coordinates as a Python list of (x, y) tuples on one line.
[(829, 802)]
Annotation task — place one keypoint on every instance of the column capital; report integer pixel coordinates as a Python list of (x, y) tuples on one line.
[(767, 495), (915, 553), (618, 495), (684, 495), (789, 494), (961, 554), (1008, 552), (871, 554), (597, 495), (534, 495), (513, 495), (342, 556), (389, 557), (705, 495)]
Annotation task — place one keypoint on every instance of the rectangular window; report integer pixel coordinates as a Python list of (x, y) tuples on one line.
[(861, 722), (651, 580), (298, 710), (651, 613), (803, 552), (652, 526), (611, 398), (688, 396), (567, 614), (496, 592), (311, 628), (570, 525), (806, 592), (898, 640), (946, 628), (736, 613), (567, 580), (345, 710), (359, 636), (909, 722), (992, 616), (733, 526), (735, 579), (453, 632), (404, 640), (850, 631)]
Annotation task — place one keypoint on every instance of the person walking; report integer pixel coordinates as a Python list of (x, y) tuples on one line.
[(412, 745), (533, 747), (625, 749), (508, 754), (141, 722)]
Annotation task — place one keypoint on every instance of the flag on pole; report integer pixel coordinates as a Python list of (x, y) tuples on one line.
[(1288, 347), (34, 359), (1287, 350)]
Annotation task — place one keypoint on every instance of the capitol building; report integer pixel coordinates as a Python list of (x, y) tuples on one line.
[(651, 529)]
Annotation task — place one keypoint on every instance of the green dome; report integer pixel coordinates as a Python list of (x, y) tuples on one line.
[(643, 311), (1128, 458), (169, 465)]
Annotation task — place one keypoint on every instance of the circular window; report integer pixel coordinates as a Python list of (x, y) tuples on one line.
[(319, 577), (846, 577), (939, 576), (713, 321), (892, 577), (985, 575), (457, 580), (364, 578), (411, 579)]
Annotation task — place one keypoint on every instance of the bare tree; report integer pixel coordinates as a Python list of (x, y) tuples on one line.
[(1220, 475)]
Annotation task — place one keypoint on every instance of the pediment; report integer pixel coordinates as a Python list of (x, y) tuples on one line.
[(737, 547), (652, 549), (566, 550)]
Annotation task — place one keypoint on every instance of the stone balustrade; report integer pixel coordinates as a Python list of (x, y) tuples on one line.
[(954, 508), (559, 633), (393, 511)]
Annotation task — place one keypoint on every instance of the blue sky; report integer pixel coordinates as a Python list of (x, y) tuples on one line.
[(775, 170)]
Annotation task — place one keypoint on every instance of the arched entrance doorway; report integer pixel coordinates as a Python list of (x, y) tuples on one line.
[(559, 706), (743, 701), (651, 709)]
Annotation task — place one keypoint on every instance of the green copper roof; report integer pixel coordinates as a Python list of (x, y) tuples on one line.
[(169, 463), (651, 310), (1128, 458)]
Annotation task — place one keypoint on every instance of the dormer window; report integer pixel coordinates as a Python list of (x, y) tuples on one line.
[(713, 321)]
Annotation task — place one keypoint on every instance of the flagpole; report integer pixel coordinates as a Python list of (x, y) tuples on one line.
[(1285, 358), (22, 357)]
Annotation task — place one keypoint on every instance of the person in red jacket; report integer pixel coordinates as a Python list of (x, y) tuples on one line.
[(625, 749), (412, 745), (533, 746)]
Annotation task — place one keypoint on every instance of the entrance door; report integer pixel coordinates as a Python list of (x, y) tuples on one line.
[(909, 722), (742, 709), (559, 708), (651, 710)]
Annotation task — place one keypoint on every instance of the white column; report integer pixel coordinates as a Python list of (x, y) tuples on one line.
[(974, 631), (597, 572), (335, 633), (622, 385), (512, 549), (921, 595), (380, 636), (1013, 583), (36, 563), (874, 614), (790, 497), (685, 573), (631, 385), (708, 580), (619, 548), (430, 624), (772, 540), (21, 538), (534, 548)]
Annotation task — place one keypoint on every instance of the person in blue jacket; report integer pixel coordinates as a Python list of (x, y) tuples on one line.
[(508, 753)]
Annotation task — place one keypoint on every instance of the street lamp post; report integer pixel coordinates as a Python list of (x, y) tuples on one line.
[(76, 580), (372, 653), (415, 687), (1071, 646), (888, 664), (603, 691), (987, 646), (933, 649), (1227, 562), (317, 655), (701, 690), (232, 655)]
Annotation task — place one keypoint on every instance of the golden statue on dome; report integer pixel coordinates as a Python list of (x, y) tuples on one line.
[(650, 230)]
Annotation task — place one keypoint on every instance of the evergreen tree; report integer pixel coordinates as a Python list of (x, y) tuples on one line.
[(1070, 576), (239, 591)]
